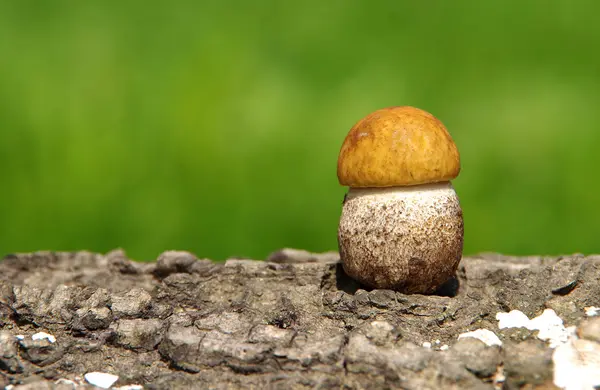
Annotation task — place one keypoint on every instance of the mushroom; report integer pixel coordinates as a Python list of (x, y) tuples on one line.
[(401, 226)]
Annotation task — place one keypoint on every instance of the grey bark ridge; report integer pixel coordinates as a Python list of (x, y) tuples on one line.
[(295, 321)]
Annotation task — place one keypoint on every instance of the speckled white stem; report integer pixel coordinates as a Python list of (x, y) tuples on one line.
[(405, 238)]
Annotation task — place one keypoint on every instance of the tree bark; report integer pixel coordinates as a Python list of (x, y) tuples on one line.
[(294, 321)]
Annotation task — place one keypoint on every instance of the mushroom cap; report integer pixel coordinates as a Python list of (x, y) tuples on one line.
[(397, 146)]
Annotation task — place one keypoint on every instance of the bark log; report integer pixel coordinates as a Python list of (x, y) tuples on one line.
[(294, 321)]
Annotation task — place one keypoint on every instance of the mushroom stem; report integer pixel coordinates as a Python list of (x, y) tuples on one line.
[(403, 238), (435, 190)]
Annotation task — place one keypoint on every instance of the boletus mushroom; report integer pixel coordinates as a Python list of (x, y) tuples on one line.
[(401, 226)]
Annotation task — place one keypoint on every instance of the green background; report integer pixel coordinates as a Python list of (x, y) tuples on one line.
[(214, 126)]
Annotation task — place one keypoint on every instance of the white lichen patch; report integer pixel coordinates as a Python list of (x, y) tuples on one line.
[(576, 361), (42, 336), (592, 311), (101, 379), (512, 319), (577, 365), (550, 326), (487, 336)]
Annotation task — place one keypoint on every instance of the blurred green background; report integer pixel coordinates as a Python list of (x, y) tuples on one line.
[(214, 126)]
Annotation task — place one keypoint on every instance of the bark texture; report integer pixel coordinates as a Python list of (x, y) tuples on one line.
[(294, 321)]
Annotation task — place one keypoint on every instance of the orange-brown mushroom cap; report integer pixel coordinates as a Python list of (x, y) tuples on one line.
[(397, 146)]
